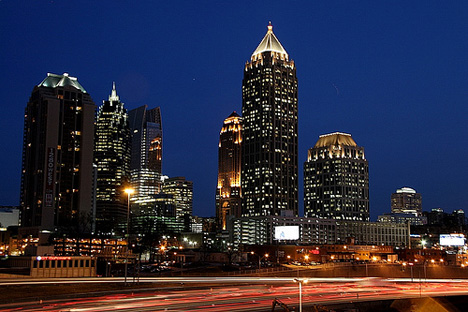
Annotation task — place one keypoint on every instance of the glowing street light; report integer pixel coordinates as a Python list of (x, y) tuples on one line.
[(300, 281)]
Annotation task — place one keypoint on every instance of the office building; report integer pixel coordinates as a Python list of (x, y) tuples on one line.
[(146, 155), (336, 179), (228, 192), (315, 231), (406, 200), (112, 160), (57, 169), (182, 192), (269, 176)]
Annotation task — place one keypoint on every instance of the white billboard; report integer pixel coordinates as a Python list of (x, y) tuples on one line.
[(452, 239), (287, 232)]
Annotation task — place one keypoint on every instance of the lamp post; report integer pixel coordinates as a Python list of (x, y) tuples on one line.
[(129, 192), (411, 267), (300, 281)]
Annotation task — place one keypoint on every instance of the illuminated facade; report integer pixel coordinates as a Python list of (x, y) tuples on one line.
[(182, 192), (269, 149), (146, 156), (261, 230), (112, 159), (57, 172), (228, 192), (406, 200), (336, 179)]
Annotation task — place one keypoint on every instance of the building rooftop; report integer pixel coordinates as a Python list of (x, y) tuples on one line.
[(270, 43), (54, 81), (407, 190), (336, 138)]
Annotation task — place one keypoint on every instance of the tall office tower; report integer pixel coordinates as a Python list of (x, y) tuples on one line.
[(146, 156), (57, 171), (228, 192), (269, 149), (336, 179), (406, 200), (112, 158), (182, 192)]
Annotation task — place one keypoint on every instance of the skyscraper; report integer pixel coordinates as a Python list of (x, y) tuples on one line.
[(269, 153), (57, 172), (182, 194), (406, 200), (146, 156), (336, 179), (112, 158), (228, 192)]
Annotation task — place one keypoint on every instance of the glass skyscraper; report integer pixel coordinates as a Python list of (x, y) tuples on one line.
[(269, 153), (112, 160), (336, 179), (146, 156)]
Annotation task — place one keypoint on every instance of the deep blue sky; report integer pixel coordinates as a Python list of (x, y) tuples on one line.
[(393, 74)]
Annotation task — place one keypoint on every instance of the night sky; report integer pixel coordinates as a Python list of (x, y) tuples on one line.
[(393, 74)]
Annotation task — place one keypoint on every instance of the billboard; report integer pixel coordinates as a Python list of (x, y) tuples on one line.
[(452, 239), (287, 232)]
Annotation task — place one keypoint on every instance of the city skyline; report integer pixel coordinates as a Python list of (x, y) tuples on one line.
[(396, 80)]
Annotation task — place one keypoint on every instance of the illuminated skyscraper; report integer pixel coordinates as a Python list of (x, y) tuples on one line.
[(57, 175), (336, 179), (112, 158), (269, 152), (146, 156), (406, 200), (228, 192), (182, 192)]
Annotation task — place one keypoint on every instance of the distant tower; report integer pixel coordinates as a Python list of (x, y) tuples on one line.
[(182, 192), (269, 151), (406, 200), (228, 192), (146, 157), (112, 158), (336, 179), (57, 175)]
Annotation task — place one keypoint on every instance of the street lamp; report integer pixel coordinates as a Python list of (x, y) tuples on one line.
[(300, 281), (129, 192)]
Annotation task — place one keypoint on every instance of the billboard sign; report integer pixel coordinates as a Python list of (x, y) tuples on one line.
[(287, 232), (452, 240)]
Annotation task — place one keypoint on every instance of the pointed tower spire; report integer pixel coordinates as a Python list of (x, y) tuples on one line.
[(270, 43), (113, 96)]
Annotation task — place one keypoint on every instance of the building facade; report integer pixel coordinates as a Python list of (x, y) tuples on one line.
[(57, 172), (269, 176), (146, 155), (112, 160), (228, 191), (336, 179), (261, 231), (406, 200), (182, 193)]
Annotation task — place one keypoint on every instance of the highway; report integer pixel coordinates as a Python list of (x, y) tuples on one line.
[(254, 294)]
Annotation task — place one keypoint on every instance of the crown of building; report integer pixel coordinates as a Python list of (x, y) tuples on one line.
[(54, 81), (270, 44), (335, 138)]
